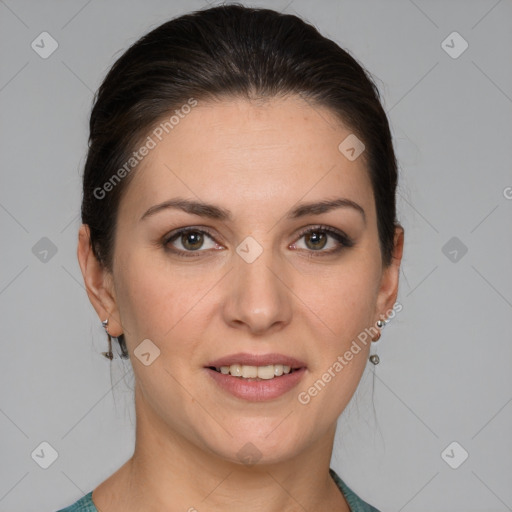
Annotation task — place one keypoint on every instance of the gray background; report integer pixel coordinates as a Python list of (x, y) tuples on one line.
[(445, 372)]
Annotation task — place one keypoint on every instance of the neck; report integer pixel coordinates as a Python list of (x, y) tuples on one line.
[(168, 472)]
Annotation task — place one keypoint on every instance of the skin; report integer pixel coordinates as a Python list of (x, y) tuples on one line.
[(258, 160)]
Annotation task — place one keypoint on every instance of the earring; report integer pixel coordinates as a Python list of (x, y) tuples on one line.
[(109, 354), (374, 358)]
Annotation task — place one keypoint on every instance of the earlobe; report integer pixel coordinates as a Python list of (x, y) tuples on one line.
[(98, 283)]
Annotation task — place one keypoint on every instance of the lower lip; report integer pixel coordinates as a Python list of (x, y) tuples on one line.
[(257, 390)]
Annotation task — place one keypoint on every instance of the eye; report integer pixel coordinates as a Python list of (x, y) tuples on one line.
[(324, 240), (189, 240)]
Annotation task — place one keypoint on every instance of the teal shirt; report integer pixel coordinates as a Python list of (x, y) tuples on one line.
[(356, 504)]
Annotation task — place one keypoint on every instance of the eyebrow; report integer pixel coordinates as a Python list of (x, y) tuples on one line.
[(211, 211)]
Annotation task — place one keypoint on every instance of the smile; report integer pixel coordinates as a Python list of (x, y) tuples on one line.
[(266, 372), (256, 377)]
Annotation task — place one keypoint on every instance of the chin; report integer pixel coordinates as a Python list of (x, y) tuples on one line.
[(264, 444)]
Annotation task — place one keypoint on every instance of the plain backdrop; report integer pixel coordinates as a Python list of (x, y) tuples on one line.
[(443, 389)]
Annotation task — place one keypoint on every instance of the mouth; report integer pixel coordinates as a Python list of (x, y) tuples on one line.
[(255, 373), (256, 377)]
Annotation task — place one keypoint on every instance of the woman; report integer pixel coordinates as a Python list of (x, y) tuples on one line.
[(240, 241)]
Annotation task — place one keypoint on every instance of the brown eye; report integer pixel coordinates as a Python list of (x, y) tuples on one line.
[(192, 240), (316, 240), (187, 241), (322, 241)]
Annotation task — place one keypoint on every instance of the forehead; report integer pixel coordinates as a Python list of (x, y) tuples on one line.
[(240, 152)]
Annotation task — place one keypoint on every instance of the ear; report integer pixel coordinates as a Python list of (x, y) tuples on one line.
[(98, 283), (388, 290)]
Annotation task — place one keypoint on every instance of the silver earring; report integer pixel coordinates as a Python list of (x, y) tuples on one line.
[(109, 354), (374, 358)]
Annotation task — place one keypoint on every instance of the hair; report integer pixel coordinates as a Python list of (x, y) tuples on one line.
[(220, 53)]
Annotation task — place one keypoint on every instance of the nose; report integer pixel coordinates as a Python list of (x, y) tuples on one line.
[(258, 297)]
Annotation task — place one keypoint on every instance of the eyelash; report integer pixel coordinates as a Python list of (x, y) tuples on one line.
[(343, 240)]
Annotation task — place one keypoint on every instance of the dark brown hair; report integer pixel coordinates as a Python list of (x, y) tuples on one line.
[(222, 52)]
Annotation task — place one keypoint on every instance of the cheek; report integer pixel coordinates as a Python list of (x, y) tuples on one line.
[(344, 300), (345, 308), (144, 298), (159, 302)]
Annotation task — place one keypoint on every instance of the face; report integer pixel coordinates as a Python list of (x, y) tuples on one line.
[(261, 280)]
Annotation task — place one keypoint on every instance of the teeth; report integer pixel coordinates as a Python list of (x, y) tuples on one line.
[(235, 370), (252, 372), (266, 372), (249, 372)]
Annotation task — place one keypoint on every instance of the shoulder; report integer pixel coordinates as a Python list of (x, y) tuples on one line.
[(355, 502), (84, 504)]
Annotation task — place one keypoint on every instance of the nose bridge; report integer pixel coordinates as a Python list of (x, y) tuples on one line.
[(257, 297)]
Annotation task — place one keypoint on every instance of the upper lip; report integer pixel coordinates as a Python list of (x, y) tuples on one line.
[(247, 359)]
